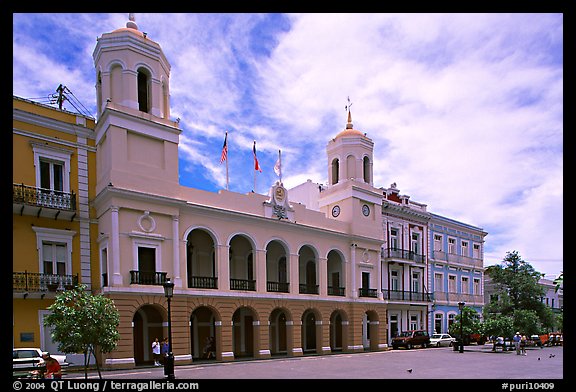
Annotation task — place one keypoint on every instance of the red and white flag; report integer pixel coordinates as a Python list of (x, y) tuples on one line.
[(224, 154), (256, 164)]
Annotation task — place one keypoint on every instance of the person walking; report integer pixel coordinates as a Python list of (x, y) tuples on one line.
[(517, 338), (164, 349), (523, 342), (156, 352)]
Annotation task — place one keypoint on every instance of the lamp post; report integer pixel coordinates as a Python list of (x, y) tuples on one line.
[(461, 306), (169, 360)]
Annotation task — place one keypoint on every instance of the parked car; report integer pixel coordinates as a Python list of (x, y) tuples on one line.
[(28, 361), (411, 338), (442, 339)]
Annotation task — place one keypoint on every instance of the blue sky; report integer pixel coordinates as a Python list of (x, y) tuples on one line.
[(465, 110)]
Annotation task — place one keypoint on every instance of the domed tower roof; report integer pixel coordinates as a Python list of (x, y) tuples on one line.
[(131, 26), (350, 131)]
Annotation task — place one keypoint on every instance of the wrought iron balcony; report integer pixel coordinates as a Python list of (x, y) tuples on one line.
[(242, 284), (401, 254), (203, 282), (278, 287), (308, 288), (147, 278), (34, 282), (339, 291), (364, 292), (43, 202), (408, 296)]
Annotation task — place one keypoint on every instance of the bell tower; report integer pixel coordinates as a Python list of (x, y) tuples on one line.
[(137, 143), (350, 195)]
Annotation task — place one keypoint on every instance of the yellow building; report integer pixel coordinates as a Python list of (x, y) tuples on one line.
[(54, 230)]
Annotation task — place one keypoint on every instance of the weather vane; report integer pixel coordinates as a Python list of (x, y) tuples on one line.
[(347, 107)]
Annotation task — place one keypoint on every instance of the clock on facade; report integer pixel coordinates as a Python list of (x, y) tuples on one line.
[(365, 210), (335, 211)]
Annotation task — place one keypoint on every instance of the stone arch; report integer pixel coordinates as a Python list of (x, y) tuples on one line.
[(147, 321)]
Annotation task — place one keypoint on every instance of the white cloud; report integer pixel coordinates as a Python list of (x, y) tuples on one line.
[(465, 109)]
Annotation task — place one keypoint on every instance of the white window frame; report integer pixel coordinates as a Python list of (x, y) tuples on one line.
[(465, 284), (394, 243), (42, 152), (395, 279), (156, 244), (451, 278), (415, 281), (45, 234), (414, 321), (438, 242), (439, 316), (415, 242), (476, 286), (438, 287), (452, 245), (464, 248), (476, 251)]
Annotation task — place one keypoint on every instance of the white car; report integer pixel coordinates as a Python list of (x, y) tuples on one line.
[(25, 360), (441, 339)]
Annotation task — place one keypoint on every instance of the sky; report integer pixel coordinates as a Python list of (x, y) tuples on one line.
[(465, 110)]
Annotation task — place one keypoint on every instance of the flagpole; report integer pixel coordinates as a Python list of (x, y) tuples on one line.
[(254, 151), (227, 162), (280, 168)]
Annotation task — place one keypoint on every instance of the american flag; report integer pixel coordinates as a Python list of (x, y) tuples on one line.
[(224, 155)]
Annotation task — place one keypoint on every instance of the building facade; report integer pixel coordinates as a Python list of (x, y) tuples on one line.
[(53, 225), (262, 275), (456, 264), (315, 269), (405, 281)]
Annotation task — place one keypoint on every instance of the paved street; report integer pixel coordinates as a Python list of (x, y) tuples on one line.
[(477, 362)]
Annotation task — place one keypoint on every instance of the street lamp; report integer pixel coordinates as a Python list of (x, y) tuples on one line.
[(460, 306), (169, 360)]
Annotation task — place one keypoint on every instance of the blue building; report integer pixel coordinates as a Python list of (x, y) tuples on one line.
[(456, 269)]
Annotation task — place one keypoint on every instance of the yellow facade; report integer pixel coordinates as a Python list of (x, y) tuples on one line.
[(54, 230)]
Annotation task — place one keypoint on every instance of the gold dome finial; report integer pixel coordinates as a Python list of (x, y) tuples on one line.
[(347, 107), (131, 24)]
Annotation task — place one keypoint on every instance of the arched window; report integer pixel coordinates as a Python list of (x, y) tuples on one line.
[(143, 91), (99, 92), (350, 167), (366, 169), (335, 173)]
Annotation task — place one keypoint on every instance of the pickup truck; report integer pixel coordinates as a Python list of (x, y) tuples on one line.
[(26, 361)]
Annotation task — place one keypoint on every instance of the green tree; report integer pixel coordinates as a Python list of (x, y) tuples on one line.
[(498, 325), (527, 322), (83, 322), (559, 281), (470, 323), (517, 288)]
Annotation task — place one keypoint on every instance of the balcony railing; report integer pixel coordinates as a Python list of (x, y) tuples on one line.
[(147, 278), (391, 253), (364, 292), (399, 295), (29, 282), (339, 291), (458, 259), (41, 197), (278, 287), (308, 288), (242, 284), (203, 282)]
